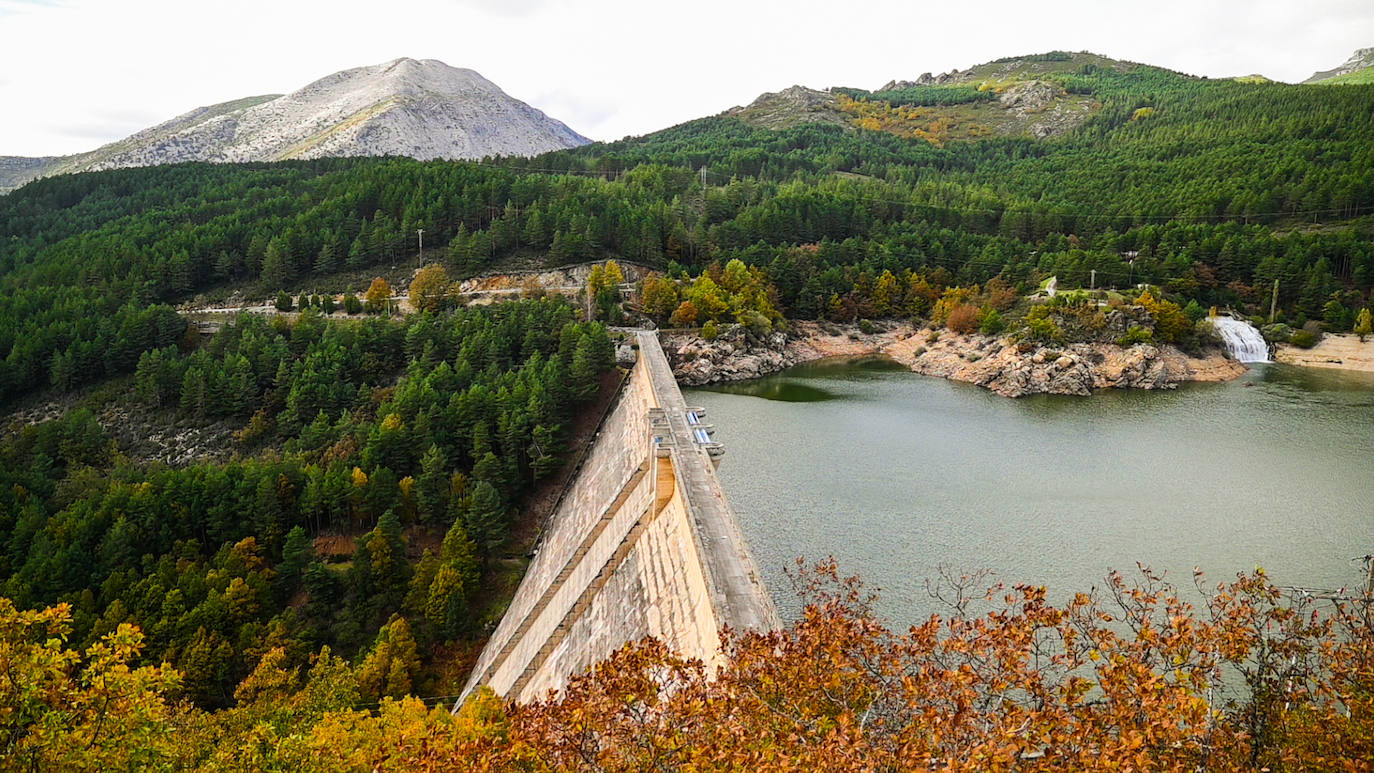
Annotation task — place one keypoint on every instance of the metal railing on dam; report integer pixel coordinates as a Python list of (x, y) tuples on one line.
[(643, 543)]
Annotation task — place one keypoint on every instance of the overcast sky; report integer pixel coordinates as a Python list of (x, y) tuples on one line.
[(78, 73)]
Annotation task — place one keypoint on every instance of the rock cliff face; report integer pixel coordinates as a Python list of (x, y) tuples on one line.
[(1361, 59), (423, 109), (996, 364)]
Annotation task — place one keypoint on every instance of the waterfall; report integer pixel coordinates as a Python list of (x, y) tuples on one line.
[(1242, 339)]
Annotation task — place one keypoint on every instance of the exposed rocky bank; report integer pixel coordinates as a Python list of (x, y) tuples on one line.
[(998, 364), (1343, 351)]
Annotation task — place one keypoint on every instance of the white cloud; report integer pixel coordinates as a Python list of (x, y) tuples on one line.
[(608, 68)]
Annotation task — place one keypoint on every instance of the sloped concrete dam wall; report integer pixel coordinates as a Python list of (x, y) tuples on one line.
[(643, 543)]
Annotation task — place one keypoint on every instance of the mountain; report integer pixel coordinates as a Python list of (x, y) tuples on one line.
[(1359, 68), (424, 109), (1011, 97)]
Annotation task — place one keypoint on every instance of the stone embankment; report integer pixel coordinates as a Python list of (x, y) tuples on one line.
[(997, 364)]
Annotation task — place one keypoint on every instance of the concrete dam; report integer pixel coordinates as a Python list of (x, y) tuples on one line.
[(643, 543)]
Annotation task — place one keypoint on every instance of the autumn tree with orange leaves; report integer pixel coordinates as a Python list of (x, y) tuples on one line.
[(1136, 679), (1139, 680)]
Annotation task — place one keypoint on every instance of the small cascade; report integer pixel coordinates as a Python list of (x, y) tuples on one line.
[(1242, 339)]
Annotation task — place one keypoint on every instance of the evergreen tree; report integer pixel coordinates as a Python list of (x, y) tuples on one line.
[(432, 487), (486, 518)]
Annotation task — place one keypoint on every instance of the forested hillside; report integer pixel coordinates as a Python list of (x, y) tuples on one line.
[(412, 442), (1209, 188)]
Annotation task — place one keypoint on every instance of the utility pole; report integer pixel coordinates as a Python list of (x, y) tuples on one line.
[(421, 233), (1274, 302), (1092, 283)]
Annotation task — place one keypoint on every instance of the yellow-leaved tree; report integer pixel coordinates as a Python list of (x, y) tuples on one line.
[(430, 289), (64, 710), (378, 297)]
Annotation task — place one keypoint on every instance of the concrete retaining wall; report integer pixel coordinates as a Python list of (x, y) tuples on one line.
[(643, 544)]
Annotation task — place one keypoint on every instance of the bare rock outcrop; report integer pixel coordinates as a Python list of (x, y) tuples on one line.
[(1362, 58), (1015, 370), (792, 106), (735, 356)]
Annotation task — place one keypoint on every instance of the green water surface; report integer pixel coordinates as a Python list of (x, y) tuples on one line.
[(895, 474)]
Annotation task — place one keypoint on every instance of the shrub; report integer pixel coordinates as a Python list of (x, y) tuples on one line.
[(1136, 335), (351, 303), (1308, 337), (963, 319), (1043, 330), (685, 315), (867, 327), (992, 323), (1171, 324), (1204, 332), (1277, 333), (710, 331), (283, 301), (1303, 338)]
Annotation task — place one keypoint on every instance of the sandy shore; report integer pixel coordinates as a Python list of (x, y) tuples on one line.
[(1334, 351)]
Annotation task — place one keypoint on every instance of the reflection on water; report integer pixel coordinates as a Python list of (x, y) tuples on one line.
[(895, 474), (783, 390), (1337, 387), (797, 385)]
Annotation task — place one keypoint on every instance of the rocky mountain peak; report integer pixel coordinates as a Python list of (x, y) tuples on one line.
[(1362, 58), (421, 108)]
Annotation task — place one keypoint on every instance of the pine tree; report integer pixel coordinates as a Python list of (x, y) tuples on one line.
[(431, 490), (486, 518), (327, 261), (276, 264), (298, 552)]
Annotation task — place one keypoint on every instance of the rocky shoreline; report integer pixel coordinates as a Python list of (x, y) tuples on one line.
[(997, 364)]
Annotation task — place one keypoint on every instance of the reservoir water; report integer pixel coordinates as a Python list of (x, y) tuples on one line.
[(895, 474)]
